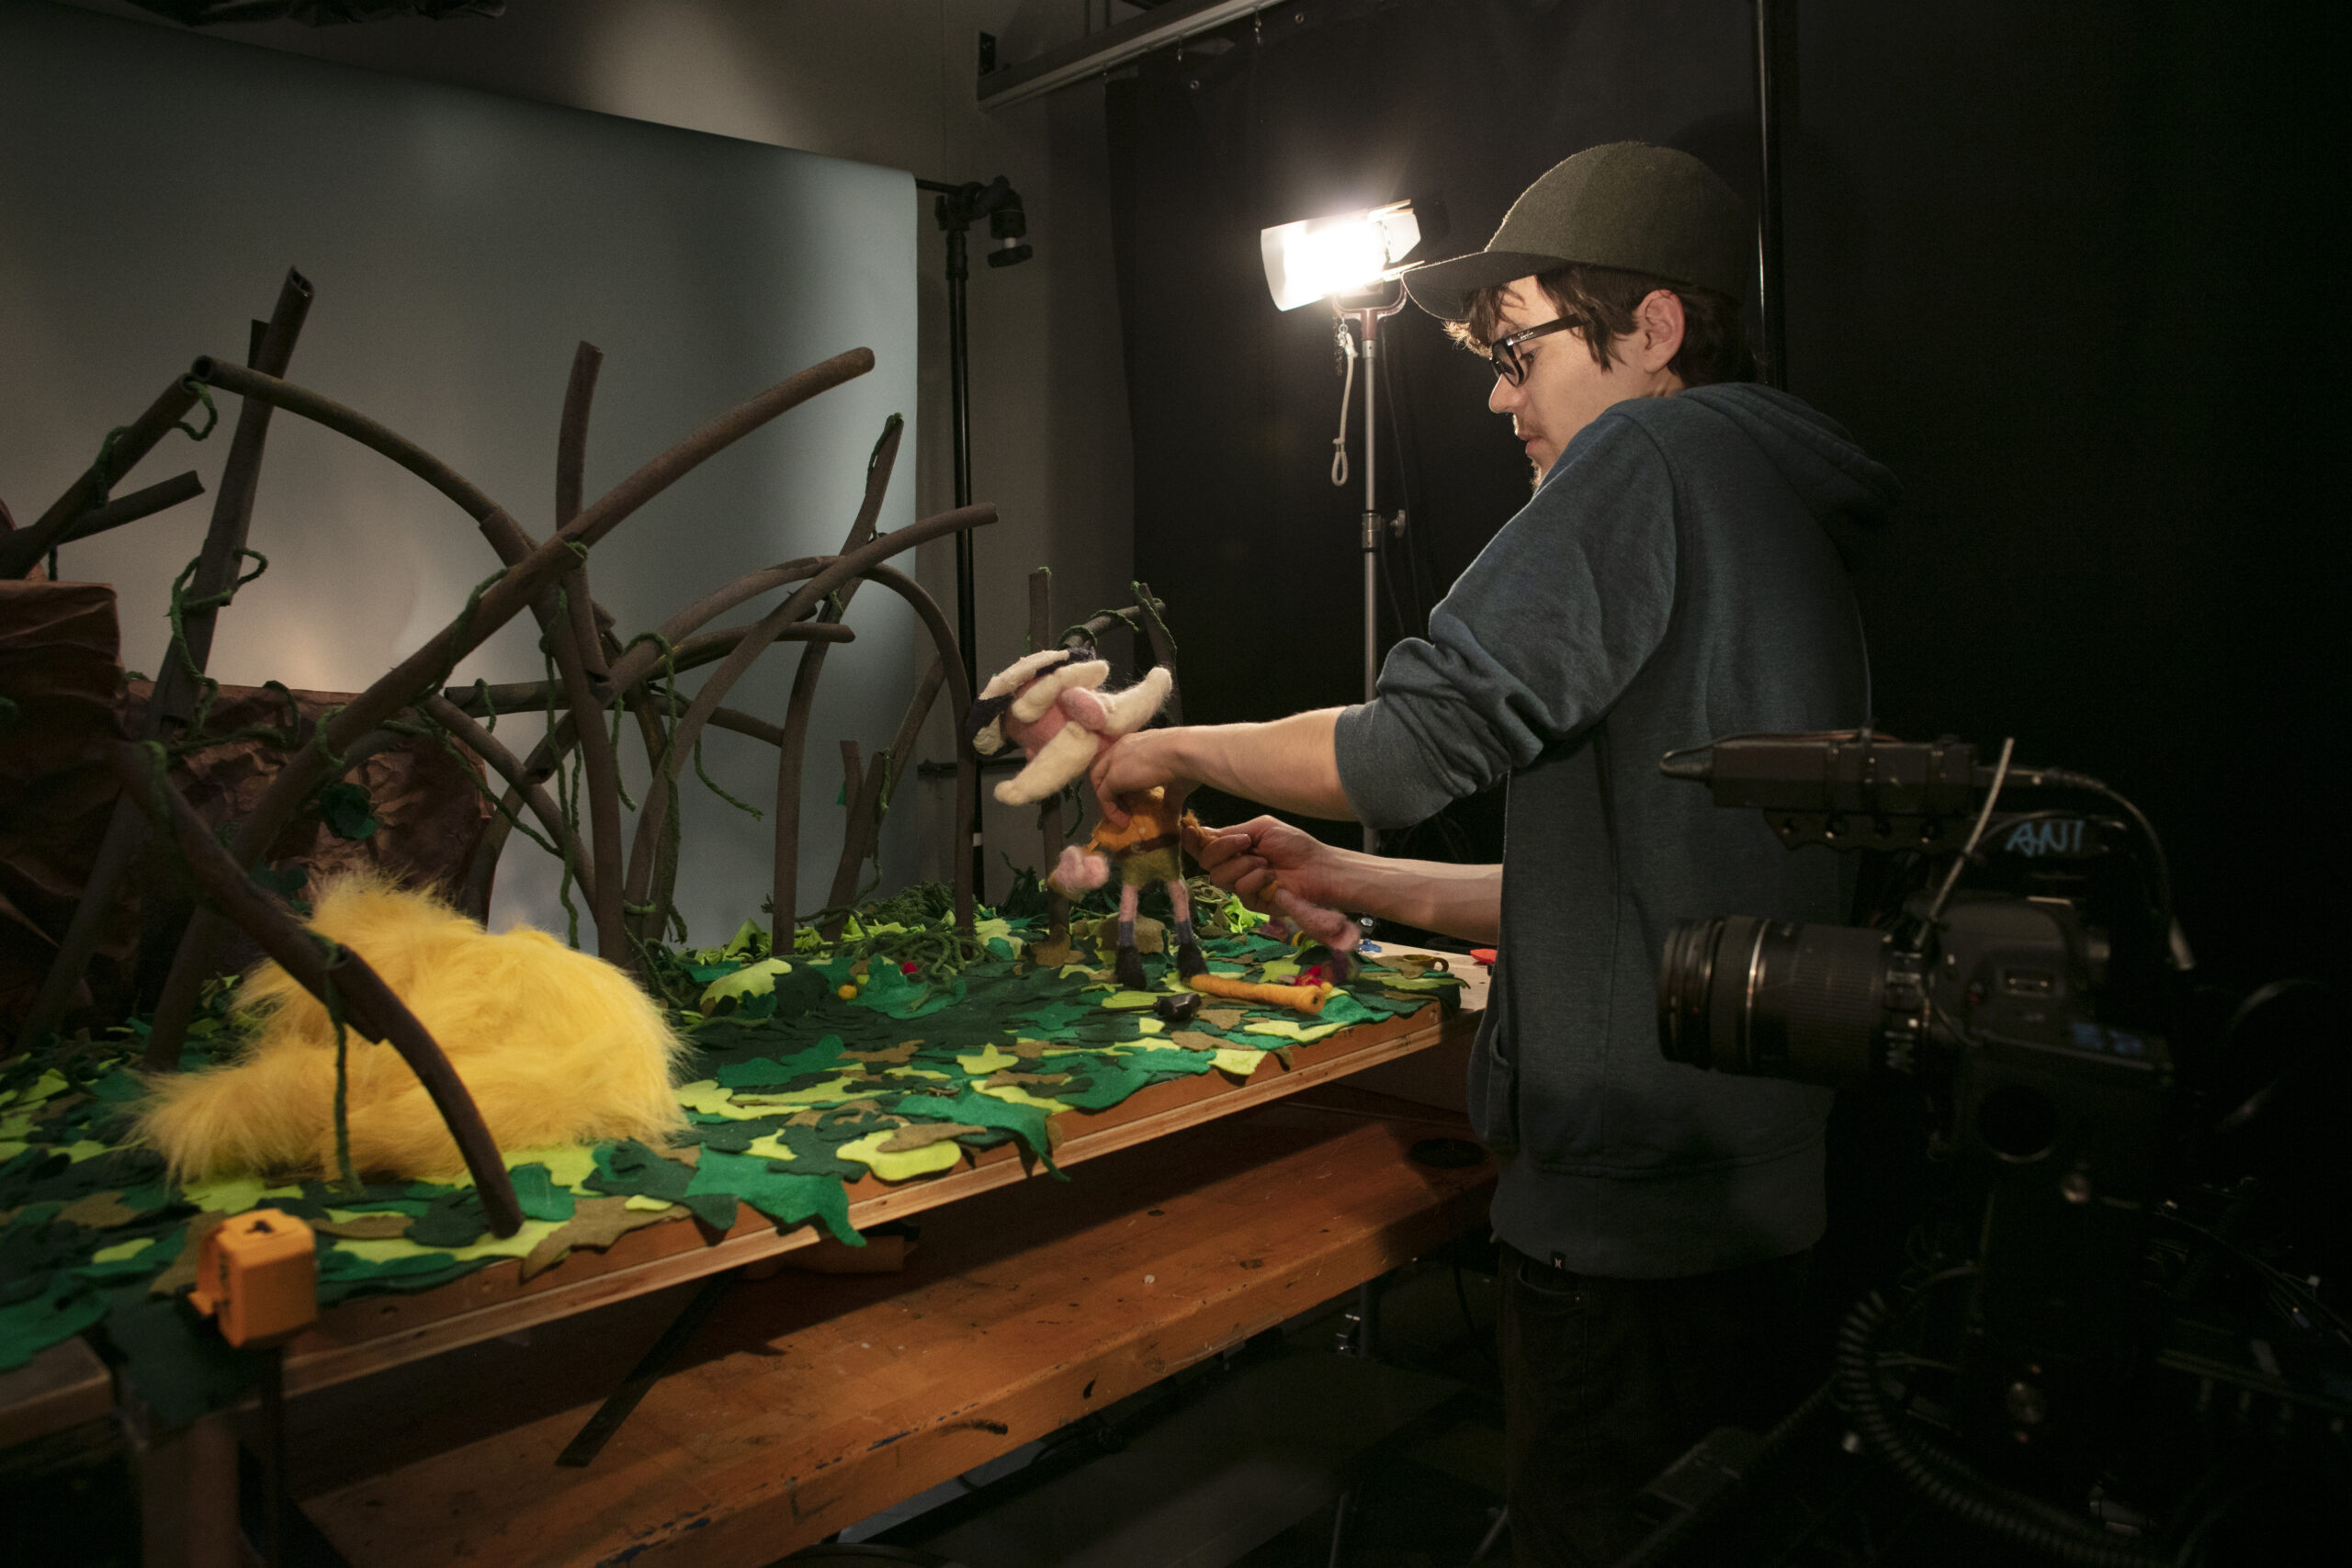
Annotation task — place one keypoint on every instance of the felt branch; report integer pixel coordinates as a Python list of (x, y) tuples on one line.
[(506, 537), (740, 658), (864, 825), (865, 560), (130, 508), (533, 697), (579, 661), (499, 601), (329, 971), (549, 755), (508, 766), (22, 551), (785, 869), (181, 683)]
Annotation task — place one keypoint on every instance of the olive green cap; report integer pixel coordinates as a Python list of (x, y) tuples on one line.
[(1624, 204)]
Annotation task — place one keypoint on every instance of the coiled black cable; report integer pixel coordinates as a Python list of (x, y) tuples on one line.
[(1949, 1482)]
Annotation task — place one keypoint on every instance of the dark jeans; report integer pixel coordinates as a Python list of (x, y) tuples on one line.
[(1608, 1382)]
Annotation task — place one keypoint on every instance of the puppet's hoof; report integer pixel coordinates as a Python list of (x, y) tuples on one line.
[(1129, 969), (1189, 960)]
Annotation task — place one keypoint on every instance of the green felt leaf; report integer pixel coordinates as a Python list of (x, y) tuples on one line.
[(64, 1307), (175, 1359), (770, 1072), (630, 1168), (895, 994), (787, 1198), (1050, 1018), (535, 1191), (454, 1219), (347, 809), (1025, 1122)]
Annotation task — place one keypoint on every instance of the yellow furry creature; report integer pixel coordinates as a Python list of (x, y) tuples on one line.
[(556, 1047)]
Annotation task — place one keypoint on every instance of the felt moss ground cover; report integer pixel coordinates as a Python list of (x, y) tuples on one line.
[(808, 1070)]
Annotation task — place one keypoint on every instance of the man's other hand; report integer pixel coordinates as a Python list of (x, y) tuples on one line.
[(1245, 859)]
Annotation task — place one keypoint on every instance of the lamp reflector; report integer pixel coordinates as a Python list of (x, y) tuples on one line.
[(1317, 257)]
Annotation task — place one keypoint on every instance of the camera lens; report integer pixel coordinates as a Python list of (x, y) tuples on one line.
[(1739, 994)]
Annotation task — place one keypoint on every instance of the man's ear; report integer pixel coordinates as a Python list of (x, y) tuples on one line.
[(1658, 330)]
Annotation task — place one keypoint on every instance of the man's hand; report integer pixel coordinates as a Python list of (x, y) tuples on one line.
[(1134, 762), (1244, 860)]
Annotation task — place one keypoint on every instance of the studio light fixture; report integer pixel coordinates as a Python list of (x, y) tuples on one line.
[(1354, 259), (1316, 258)]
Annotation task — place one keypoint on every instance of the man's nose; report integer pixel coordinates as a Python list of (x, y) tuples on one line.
[(1505, 397)]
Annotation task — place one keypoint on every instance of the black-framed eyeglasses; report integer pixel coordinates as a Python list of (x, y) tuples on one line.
[(1504, 355)]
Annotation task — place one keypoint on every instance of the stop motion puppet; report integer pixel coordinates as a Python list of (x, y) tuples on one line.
[(1050, 704)]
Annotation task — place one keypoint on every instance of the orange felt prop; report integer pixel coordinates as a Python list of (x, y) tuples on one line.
[(1301, 998)]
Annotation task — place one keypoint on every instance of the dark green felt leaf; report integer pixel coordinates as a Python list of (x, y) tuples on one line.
[(454, 1219), (176, 1360), (788, 1199), (535, 1191)]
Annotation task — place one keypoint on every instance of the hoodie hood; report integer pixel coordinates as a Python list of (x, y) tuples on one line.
[(1813, 452)]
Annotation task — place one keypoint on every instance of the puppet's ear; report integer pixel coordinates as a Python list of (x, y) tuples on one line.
[(1023, 670), (1136, 706), (1065, 757), (1046, 689)]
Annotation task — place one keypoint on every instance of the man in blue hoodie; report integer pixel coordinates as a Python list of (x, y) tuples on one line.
[(1672, 581)]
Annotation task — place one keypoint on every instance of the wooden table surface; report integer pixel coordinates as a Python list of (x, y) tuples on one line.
[(807, 1402), (373, 1333)]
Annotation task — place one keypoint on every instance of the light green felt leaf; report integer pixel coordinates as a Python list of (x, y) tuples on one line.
[(752, 980), (1285, 1029)]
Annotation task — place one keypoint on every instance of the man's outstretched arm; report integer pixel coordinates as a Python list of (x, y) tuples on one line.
[(1290, 763), (1460, 901)]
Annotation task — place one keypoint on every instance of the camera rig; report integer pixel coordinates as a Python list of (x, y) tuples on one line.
[(2078, 1310)]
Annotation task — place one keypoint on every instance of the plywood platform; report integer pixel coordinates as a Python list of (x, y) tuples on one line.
[(808, 1402), (377, 1332)]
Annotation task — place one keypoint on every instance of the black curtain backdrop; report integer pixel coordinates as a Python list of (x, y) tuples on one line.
[(2068, 270)]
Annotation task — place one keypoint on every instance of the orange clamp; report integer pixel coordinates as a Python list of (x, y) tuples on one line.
[(257, 1275)]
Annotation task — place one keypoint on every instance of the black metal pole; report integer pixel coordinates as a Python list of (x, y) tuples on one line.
[(1768, 228), (953, 209), (959, 387)]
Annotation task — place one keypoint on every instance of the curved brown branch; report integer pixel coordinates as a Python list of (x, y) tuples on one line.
[(369, 1005), (508, 766), (429, 664), (514, 545), (21, 552), (858, 562), (784, 871), (180, 682), (532, 696), (130, 508), (959, 702)]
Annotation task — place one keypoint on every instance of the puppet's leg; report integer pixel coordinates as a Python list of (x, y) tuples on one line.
[(1338, 933), (1129, 967), (1189, 960)]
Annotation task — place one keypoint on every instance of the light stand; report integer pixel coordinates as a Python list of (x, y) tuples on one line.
[(957, 209), (1367, 313)]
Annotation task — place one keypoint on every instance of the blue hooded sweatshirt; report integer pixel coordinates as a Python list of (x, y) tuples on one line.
[(1673, 581)]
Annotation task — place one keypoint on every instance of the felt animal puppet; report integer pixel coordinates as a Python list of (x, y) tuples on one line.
[(556, 1047), (1049, 704)]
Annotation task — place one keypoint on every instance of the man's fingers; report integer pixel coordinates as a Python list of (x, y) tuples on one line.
[(1252, 889), (1100, 774), (1218, 847)]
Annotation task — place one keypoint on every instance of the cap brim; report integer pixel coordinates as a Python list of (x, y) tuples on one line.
[(1443, 288)]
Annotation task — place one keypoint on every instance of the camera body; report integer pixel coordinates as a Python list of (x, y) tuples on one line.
[(1994, 1000)]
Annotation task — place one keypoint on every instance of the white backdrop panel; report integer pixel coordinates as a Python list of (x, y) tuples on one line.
[(153, 188)]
